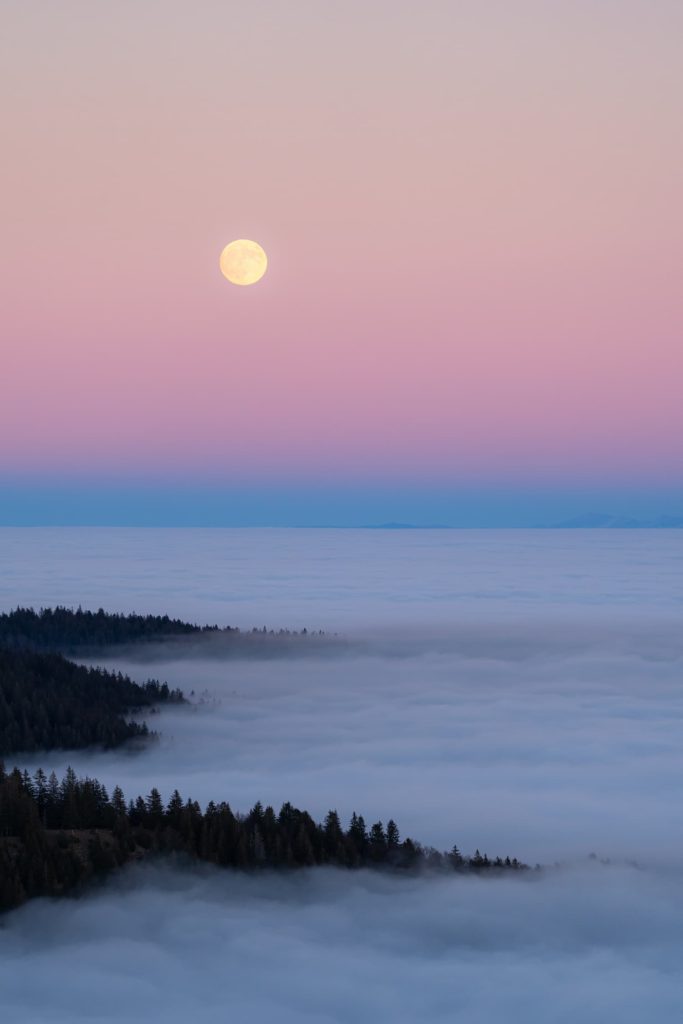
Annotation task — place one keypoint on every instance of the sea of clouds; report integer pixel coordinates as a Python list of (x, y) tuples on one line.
[(543, 743), (591, 944), (517, 692)]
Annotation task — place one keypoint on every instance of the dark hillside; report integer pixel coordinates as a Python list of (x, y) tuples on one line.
[(57, 836), (47, 702)]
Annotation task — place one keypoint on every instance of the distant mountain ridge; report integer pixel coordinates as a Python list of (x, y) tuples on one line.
[(585, 521), (604, 521), (406, 526)]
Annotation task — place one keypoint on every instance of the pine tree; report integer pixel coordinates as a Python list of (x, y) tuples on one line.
[(393, 836), (155, 808), (378, 842), (174, 809), (118, 801)]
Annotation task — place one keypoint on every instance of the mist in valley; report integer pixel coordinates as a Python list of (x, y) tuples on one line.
[(522, 698), (592, 944), (544, 742)]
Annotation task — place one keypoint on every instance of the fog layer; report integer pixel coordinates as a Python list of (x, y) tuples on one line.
[(521, 693), (346, 579), (591, 945), (542, 742)]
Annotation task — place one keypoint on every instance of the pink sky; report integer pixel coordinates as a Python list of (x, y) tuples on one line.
[(472, 213)]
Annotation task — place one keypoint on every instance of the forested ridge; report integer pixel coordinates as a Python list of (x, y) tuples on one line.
[(47, 701), (81, 632), (55, 837), (68, 629)]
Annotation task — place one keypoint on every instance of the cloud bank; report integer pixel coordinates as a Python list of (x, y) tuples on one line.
[(517, 693), (542, 743), (591, 944)]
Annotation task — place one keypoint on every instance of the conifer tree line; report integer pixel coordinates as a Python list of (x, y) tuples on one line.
[(62, 629), (69, 630), (47, 701), (55, 836)]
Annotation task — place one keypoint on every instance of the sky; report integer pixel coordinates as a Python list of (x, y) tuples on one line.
[(472, 312)]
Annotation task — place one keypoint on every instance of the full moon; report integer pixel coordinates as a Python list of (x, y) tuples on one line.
[(243, 262)]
